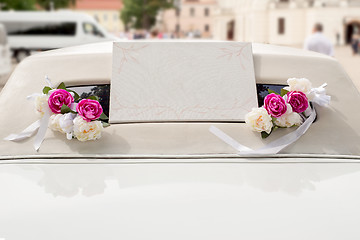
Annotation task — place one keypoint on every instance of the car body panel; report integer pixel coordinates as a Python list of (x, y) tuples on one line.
[(178, 200), (177, 180), (335, 132)]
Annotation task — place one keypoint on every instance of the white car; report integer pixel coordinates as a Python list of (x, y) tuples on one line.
[(33, 31), (5, 56), (177, 180)]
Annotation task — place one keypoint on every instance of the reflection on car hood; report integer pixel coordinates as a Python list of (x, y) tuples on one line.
[(253, 200)]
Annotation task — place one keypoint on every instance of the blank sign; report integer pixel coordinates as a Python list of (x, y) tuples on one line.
[(181, 81)]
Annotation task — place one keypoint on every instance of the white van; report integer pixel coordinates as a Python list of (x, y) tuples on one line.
[(5, 56), (38, 31)]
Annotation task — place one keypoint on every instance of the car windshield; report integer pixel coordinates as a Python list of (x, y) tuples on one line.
[(91, 29), (263, 91), (101, 91)]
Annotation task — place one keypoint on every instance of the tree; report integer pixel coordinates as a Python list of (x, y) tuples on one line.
[(55, 4), (141, 14), (17, 4)]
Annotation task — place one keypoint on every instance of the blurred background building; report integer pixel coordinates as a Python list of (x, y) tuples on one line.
[(285, 22), (190, 18), (106, 12), (280, 22)]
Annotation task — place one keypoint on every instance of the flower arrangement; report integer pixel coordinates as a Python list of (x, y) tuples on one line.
[(285, 109), (82, 119)]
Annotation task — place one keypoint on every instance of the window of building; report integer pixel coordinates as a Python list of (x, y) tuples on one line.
[(192, 12), (177, 28), (206, 12), (207, 28), (116, 17), (105, 17), (281, 26), (177, 12)]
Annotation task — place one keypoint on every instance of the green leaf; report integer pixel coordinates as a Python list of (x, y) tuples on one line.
[(283, 92), (46, 90), (103, 117), (61, 86), (271, 91), (94, 98), (265, 134), (105, 124), (65, 109), (76, 95)]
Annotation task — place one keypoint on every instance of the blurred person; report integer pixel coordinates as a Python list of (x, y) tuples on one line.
[(355, 43), (317, 42), (154, 34), (190, 35)]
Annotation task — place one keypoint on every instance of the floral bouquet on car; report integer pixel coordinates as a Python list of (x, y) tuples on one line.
[(286, 109), (78, 118)]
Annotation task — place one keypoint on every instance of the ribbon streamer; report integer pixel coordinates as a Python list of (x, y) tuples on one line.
[(26, 133), (44, 121), (40, 125), (227, 139), (271, 148)]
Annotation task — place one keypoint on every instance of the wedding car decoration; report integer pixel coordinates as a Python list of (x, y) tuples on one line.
[(63, 110), (282, 110), (289, 108)]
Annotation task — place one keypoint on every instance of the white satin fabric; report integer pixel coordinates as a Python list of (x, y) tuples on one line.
[(271, 148)]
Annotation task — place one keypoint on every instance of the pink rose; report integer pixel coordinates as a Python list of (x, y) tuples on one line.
[(275, 105), (298, 101), (89, 109), (58, 98)]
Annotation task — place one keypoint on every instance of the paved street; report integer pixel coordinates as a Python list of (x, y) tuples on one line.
[(350, 63)]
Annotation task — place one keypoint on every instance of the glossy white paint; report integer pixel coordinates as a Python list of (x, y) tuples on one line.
[(180, 201), (177, 181), (91, 64)]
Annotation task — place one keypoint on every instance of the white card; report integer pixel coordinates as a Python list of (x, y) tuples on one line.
[(182, 81)]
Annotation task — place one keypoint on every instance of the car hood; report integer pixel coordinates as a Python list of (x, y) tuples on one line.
[(171, 199)]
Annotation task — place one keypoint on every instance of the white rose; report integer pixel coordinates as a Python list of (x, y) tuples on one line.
[(85, 131), (259, 120), (66, 122), (289, 119), (299, 84), (41, 103), (54, 122)]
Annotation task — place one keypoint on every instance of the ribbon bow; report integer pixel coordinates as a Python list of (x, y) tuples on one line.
[(318, 95)]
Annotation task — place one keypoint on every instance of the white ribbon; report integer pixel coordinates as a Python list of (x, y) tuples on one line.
[(227, 139), (40, 125), (271, 148), (318, 95), (26, 133), (47, 79), (44, 122)]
